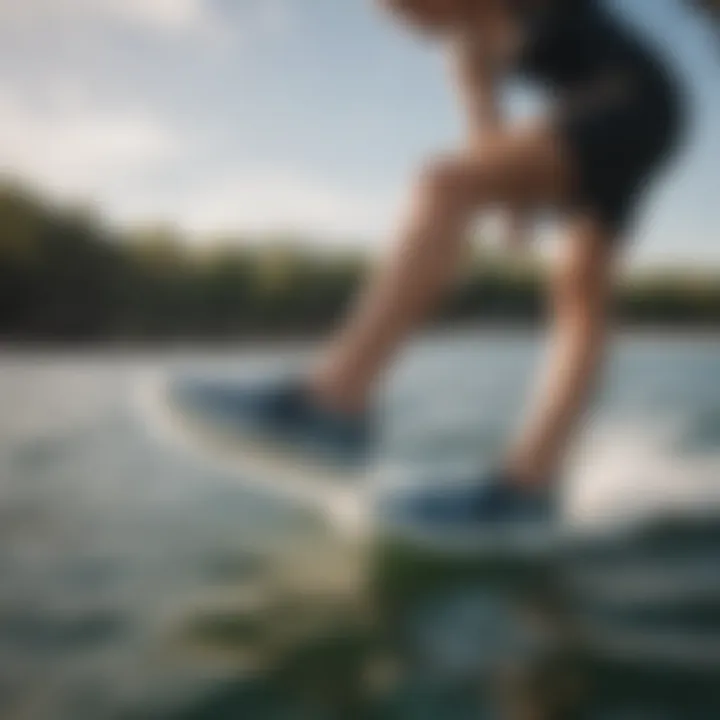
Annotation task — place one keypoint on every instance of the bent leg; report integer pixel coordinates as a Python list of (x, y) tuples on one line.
[(525, 166), (581, 289)]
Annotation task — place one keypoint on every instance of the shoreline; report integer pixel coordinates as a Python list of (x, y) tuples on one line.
[(131, 346)]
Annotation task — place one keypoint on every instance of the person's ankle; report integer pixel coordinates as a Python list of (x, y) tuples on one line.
[(529, 477), (335, 398)]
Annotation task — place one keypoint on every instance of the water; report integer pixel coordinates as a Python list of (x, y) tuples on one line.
[(137, 581)]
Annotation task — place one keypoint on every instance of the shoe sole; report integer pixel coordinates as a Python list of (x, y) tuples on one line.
[(257, 459), (526, 541)]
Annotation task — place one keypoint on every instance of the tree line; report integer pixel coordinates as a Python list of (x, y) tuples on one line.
[(66, 275)]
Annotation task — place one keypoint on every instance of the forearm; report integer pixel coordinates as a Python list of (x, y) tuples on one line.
[(478, 78), (477, 86), (485, 114)]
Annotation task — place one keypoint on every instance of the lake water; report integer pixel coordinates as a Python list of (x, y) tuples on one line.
[(137, 581)]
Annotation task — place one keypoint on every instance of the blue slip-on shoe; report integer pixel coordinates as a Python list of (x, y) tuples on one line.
[(486, 514), (277, 417)]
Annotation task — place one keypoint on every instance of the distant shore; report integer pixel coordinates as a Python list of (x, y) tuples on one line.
[(69, 279), (666, 332)]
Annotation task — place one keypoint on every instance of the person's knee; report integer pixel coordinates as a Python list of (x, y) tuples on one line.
[(580, 293), (447, 186)]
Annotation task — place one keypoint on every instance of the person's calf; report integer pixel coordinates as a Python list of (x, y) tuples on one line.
[(405, 290)]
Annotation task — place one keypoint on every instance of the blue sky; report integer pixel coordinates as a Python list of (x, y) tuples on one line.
[(290, 116)]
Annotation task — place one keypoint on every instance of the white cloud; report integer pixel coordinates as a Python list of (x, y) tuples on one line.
[(269, 200), (163, 14), (73, 149), (166, 15), (119, 154), (255, 18)]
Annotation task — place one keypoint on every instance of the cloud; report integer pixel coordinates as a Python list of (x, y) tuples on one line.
[(258, 201), (138, 168), (251, 19), (72, 148), (69, 127), (160, 14), (164, 15)]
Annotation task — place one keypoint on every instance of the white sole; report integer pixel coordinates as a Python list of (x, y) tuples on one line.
[(340, 496)]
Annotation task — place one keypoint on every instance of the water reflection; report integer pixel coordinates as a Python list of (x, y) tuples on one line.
[(609, 628)]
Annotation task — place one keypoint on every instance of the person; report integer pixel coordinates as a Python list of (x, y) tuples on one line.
[(615, 117)]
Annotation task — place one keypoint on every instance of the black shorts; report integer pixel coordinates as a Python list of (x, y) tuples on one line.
[(616, 146)]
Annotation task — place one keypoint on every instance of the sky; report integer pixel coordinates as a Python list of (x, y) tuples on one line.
[(298, 117)]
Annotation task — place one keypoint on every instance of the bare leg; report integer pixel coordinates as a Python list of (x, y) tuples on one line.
[(580, 294), (524, 166)]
